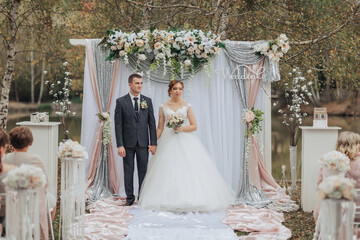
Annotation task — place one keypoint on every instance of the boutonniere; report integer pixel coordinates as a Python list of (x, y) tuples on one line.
[(143, 104)]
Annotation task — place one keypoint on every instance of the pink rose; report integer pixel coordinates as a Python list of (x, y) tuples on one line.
[(249, 116)]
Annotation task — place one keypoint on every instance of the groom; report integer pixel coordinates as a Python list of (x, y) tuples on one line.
[(134, 122)]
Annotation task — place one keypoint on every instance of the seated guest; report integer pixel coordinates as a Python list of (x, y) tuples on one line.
[(21, 139), (347, 143), (4, 140)]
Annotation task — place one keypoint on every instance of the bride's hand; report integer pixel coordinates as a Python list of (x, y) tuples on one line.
[(177, 129)]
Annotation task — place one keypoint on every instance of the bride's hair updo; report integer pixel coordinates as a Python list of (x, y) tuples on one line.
[(172, 84)]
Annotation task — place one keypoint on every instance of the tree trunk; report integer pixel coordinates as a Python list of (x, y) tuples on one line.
[(41, 82), (32, 68), (220, 21), (10, 64), (147, 15)]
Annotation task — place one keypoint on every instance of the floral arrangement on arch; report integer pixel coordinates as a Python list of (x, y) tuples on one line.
[(274, 49), (72, 149), (335, 162), (253, 118), (180, 49), (25, 177), (106, 130), (337, 187)]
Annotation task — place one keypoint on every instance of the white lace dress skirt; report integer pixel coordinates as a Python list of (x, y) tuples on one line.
[(181, 177)]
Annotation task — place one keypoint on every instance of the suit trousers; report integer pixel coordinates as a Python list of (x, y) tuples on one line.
[(142, 157)]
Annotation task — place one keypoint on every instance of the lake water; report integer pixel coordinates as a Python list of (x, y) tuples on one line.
[(280, 138)]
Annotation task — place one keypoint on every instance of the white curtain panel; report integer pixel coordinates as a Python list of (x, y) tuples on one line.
[(217, 109)]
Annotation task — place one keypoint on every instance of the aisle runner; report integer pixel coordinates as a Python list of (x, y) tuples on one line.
[(109, 219)]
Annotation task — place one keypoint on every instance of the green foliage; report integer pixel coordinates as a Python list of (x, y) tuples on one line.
[(45, 107)]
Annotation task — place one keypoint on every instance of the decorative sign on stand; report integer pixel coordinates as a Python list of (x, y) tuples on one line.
[(39, 117), (320, 117)]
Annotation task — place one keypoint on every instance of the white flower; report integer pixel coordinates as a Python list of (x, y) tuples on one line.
[(258, 47), (142, 57), (45, 72), (274, 47), (204, 55), (157, 45), (201, 47), (160, 56), (122, 53), (248, 116), (283, 37), (187, 62), (113, 47), (65, 64), (285, 47), (176, 46), (139, 43)]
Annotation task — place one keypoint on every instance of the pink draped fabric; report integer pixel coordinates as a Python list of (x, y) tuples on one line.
[(258, 175), (114, 180)]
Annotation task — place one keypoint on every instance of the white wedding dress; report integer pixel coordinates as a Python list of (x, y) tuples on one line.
[(181, 176)]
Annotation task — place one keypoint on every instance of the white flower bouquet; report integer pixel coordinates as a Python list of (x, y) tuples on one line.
[(335, 162), (337, 187), (72, 149), (274, 49), (179, 48), (25, 177), (253, 118), (174, 120)]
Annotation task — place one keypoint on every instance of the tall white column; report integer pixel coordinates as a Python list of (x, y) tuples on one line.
[(45, 145), (315, 143)]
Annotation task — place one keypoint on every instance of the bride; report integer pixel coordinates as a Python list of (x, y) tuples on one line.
[(181, 177)]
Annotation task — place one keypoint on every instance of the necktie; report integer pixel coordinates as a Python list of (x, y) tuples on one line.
[(136, 106)]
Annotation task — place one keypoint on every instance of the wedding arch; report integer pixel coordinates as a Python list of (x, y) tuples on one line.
[(238, 79)]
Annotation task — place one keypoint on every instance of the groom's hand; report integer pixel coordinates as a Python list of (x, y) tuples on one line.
[(152, 149), (121, 151)]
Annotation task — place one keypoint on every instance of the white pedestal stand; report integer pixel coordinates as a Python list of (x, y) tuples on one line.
[(72, 200), (45, 145), (315, 143), (22, 214)]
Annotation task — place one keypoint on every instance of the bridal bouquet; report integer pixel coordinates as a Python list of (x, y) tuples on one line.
[(335, 162), (25, 177), (274, 49), (174, 120), (337, 187), (253, 118), (72, 149)]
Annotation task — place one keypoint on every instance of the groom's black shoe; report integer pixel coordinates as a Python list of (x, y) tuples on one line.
[(129, 203)]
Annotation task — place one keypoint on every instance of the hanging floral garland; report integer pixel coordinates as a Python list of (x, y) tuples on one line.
[(180, 49)]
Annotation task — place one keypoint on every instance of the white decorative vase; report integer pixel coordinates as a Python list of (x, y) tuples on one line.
[(336, 220), (22, 214), (293, 164), (72, 208)]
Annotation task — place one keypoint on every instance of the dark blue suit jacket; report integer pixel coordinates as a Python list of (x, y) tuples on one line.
[(131, 129)]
